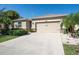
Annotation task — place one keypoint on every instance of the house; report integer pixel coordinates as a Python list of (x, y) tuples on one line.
[(42, 24), (50, 23), (22, 23)]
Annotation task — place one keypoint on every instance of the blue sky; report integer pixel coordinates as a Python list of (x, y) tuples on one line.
[(32, 10)]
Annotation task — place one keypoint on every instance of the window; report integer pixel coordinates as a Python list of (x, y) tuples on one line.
[(33, 23), (19, 24)]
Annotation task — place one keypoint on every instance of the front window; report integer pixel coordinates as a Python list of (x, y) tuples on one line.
[(19, 24)]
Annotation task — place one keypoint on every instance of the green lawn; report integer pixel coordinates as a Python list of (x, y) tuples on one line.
[(6, 37), (71, 49)]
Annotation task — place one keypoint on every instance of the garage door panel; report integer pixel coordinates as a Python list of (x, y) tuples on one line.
[(48, 27)]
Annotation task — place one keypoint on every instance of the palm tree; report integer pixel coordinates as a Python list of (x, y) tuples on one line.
[(76, 18)]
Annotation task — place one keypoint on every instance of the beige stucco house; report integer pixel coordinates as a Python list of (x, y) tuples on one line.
[(50, 23), (22, 23)]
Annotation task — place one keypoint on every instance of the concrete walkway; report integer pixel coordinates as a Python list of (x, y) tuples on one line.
[(33, 44)]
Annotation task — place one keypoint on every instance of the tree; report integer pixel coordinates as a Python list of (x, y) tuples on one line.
[(4, 19), (76, 18), (12, 14), (70, 21)]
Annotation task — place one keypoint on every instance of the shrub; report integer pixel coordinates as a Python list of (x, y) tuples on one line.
[(31, 30), (65, 31), (17, 32), (4, 32), (75, 34), (78, 33)]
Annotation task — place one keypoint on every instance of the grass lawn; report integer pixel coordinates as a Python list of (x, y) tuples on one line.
[(71, 49), (6, 37)]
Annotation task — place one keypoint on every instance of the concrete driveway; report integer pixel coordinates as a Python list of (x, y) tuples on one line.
[(33, 44)]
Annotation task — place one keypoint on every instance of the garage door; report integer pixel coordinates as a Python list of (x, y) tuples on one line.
[(53, 27)]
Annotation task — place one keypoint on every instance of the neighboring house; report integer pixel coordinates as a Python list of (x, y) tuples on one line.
[(22, 23), (50, 23)]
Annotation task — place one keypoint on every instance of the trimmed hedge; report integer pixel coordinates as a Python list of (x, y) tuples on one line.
[(17, 32)]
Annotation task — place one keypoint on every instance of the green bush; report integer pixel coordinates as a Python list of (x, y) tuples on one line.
[(75, 34), (31, 30), (65, 31), (78, 33), (17, 32), (4, 32)]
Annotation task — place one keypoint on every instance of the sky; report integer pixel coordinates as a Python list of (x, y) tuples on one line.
[(33, 10)]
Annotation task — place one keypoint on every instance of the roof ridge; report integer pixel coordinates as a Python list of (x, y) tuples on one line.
[(50, 15)]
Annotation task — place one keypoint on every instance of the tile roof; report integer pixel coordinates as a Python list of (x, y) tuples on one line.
[(50, 16), (22, 19)]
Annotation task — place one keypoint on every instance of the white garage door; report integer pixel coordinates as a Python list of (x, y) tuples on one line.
[(53, 27)]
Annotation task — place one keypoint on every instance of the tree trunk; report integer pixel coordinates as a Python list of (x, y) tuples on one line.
[(6, 27), (71, 29)]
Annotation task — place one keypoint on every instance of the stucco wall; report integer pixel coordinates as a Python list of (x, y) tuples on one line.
[(23, 25), (28, 25)]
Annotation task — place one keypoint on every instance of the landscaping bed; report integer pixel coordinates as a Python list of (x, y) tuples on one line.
[(71, 49)]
